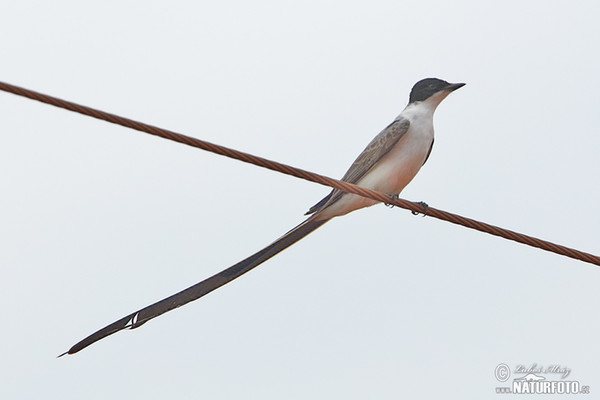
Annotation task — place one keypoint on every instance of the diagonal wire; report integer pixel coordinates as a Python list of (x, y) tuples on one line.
[(307, 175)]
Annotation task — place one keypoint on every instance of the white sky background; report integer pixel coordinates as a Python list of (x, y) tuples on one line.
[(97, 221)]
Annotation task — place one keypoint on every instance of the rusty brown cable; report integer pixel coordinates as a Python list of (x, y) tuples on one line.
[(307, 175)]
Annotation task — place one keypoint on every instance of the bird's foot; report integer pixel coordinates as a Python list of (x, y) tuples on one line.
[(393, 198), (425, 208)]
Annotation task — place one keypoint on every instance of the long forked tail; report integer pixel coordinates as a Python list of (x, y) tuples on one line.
[(192, 293)]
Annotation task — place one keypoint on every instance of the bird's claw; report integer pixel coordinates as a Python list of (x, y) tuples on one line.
[(393, 198), (425, 208)]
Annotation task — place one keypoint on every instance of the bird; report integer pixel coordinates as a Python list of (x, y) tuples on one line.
[(388, 163)]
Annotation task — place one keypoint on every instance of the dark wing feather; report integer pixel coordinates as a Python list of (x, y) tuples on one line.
[(379, 146), (428, 153)]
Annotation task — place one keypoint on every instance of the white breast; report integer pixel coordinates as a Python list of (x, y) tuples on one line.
[(399, 166)]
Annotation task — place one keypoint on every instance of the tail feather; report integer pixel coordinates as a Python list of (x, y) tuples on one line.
[(200, 289)]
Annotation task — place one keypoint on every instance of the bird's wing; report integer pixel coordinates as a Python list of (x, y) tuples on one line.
[(379, 146), (374, 151), (429, 152)]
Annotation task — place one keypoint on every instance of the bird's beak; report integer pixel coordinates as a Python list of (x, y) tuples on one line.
[(453, 86)]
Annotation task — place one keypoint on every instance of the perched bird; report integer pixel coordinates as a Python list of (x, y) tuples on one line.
[(387, 164)]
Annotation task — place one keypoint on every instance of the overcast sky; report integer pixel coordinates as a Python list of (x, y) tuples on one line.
[(97, 221)]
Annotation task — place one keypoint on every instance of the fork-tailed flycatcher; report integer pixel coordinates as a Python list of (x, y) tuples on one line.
[(387, 164)]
